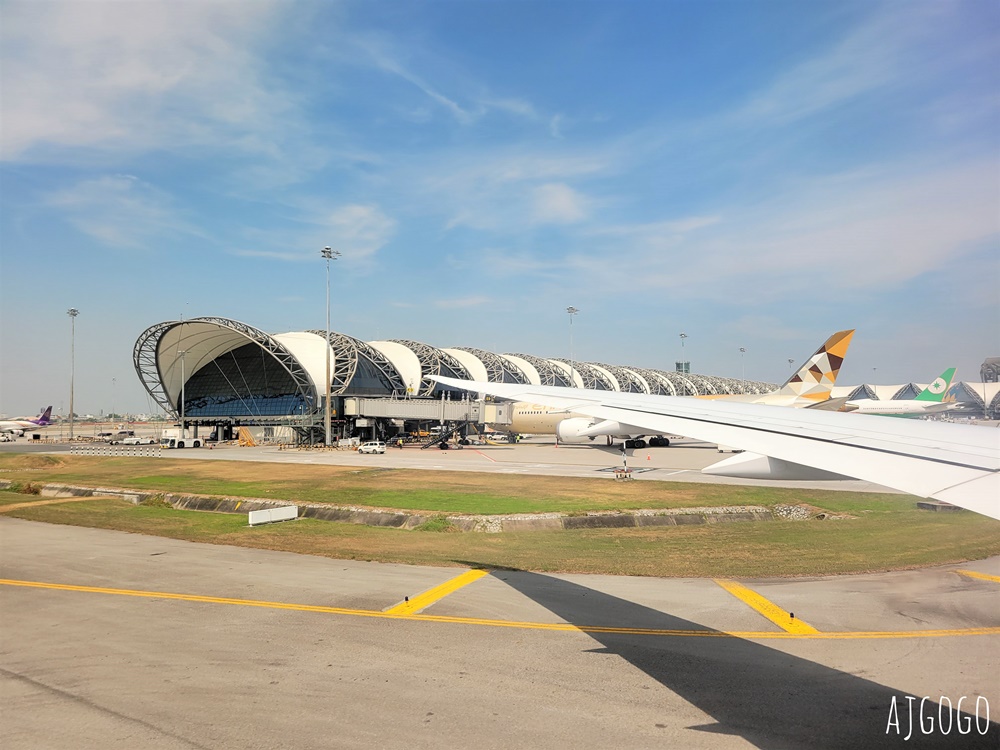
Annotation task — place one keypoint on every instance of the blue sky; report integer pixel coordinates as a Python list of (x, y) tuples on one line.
[(756, 175)]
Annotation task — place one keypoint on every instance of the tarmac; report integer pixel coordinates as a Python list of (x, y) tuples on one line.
[(681, 462), (116, 640)]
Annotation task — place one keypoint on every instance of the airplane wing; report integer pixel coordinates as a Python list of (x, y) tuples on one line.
[(958, 464)]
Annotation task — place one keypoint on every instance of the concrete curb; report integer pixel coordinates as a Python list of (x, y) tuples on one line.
[(490, 524)]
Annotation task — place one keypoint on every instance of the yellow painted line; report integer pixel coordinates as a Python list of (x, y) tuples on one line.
[(427, 598), (982, 576), (549, 626), (238, 505), (769, 609)]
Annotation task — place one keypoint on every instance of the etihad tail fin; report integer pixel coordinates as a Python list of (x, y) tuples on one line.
[(45, 417), (937, 390), (815, 379)]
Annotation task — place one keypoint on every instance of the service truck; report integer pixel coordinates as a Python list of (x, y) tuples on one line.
[(175, 438)]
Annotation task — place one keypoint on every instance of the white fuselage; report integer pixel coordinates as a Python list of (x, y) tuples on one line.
[(900, 408), (533, 419), (19, 426)]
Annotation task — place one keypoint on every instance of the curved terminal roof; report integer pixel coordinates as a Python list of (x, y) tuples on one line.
[(241, 364)]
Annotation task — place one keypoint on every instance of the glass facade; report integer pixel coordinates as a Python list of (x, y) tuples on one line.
[(246, 382)]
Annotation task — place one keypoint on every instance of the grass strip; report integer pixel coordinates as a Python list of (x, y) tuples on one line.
[(873, 542), (418, 490)]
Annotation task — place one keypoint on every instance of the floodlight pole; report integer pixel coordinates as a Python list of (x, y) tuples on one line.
[(183, 384), (328, 254), (72, 312), (743, 367), (572, 311)]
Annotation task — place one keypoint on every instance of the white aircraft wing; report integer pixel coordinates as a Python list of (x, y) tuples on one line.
[(958, 464)]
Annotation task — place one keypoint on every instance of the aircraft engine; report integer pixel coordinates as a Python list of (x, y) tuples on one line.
[(570, 431)]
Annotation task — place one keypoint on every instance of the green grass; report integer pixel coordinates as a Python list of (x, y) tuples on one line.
[(880, 540), (887, 533), (438, 492)]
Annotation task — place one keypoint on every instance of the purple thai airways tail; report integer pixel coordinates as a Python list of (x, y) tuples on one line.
[(44, 417)]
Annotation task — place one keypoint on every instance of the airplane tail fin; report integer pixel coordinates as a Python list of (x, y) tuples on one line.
[(45, 417), (937, 390), (815, 379)]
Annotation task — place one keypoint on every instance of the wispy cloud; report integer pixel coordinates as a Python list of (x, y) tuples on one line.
[(119, 210), (132, 76), (558, 203), (461, 302), (867, 230), (869, 58), (358, 231)]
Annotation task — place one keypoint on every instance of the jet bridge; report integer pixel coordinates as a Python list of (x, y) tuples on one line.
[(430, 410)]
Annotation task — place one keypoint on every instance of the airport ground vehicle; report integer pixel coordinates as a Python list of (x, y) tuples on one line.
[(138, 441), (117, 438), (372, 447), (175, 438)]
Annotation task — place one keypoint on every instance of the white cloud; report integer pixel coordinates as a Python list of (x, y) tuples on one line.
[(460, 302), (135, 75), (357, 231), (119, 210), (558, 203), (872, 56), (826, 237)]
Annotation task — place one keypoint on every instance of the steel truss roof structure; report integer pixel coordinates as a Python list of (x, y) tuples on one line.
[(433, 361), (173, 351), (346, 351), (591, 376), (500, 370), (548, 372), (152, 364)]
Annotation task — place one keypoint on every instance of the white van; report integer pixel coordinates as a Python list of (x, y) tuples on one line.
[(373, 447)]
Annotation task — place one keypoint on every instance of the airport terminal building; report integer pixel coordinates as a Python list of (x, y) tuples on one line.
[(221, 374), (218, 372)]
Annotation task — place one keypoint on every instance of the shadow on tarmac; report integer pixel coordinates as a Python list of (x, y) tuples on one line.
[(769, 698)]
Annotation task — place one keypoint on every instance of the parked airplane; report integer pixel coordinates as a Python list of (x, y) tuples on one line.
[(18, 426), (929, 401), (958, 464), (812, 383)]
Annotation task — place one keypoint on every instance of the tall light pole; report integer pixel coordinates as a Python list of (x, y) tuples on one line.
[(113, 381), (572, 311), (682, 365), (743, 367), (183, 384), (329, 254), (72, 312), (790, 363)]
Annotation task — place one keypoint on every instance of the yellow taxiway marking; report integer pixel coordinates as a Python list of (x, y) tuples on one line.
[(430, 596), (983, 576), (769, 609), (552, 626)]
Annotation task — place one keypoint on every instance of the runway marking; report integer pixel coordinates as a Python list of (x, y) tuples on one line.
[(769, 609), (982, 576), (553, 626), (488, 458), (430, 596)]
